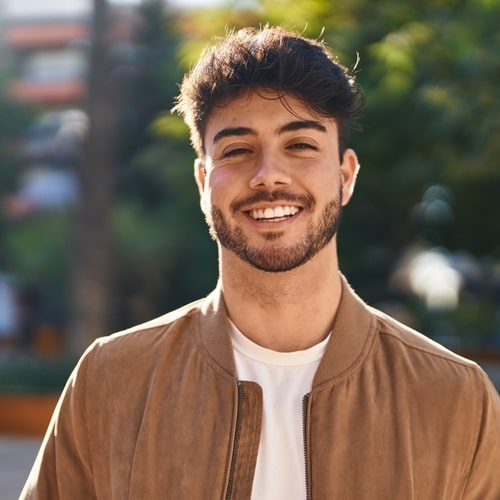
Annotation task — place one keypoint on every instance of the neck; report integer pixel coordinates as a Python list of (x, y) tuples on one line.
[(286, 311)]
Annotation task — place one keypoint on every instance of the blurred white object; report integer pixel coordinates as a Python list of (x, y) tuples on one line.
[(8, 307), (45, 189)]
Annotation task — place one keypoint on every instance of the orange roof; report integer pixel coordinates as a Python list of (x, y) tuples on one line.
[(48, 93), (44, 34)]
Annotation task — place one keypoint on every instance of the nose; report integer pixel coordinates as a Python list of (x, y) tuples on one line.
[(270, 172)]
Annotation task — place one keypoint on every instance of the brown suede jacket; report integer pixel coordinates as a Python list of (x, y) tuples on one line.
[(156, 412)]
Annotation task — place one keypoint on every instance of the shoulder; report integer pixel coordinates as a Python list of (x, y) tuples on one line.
[(392, 332), (143, 343), (438, 381), (424, 360)]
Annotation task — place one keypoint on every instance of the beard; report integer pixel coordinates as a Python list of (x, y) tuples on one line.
[(278, 259)]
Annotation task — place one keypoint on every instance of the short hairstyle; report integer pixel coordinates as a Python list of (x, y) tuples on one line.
[(268, 59)]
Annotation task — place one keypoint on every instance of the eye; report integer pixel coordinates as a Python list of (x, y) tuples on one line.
[(235, 152), (303, 146)]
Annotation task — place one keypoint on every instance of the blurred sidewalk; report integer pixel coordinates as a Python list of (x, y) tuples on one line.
[(16, 458)]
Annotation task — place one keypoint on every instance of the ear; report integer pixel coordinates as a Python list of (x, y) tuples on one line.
[(199, 174), (349, 171)]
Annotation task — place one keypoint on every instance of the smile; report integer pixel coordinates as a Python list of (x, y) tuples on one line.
[(274, 213)]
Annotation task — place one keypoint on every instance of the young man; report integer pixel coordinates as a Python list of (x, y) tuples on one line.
[(282, 384)]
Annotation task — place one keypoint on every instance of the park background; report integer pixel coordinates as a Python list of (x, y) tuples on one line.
[(100, 226)]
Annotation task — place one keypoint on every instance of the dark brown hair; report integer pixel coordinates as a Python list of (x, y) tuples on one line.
[(268, 59)]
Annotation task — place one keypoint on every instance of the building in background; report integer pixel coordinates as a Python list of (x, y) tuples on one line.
[(47, 46)]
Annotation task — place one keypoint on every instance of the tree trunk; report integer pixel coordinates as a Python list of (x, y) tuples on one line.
[(96, 172)]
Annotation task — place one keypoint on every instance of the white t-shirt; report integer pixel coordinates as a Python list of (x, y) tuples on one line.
[(285, 378)]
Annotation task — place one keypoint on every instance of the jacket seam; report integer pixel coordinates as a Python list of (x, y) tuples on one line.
[(466, 363), (214, 365), (473, 447), (86, 366)]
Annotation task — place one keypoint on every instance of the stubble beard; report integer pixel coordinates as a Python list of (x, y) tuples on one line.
[(277, 259)]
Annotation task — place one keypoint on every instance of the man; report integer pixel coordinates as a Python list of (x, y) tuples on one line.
[(282, 384)]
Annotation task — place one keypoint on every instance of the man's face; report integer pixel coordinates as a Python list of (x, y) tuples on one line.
[(272, 185)]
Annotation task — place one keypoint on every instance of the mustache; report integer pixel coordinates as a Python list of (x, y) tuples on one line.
[(305, 201)]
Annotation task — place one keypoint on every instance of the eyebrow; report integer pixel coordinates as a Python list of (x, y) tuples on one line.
[(238, 131), (301, 124), (288, 127)]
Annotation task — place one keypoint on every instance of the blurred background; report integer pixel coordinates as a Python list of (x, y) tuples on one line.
[(100, 226)]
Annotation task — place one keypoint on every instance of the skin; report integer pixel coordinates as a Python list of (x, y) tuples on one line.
[(261, 154)]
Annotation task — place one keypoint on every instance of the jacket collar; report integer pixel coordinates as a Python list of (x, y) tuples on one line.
[(351, 337), (214, 332)]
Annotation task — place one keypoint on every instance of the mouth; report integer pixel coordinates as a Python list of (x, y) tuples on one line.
[(273, 214)]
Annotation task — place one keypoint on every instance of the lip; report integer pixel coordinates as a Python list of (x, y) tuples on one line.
[(263, 200)]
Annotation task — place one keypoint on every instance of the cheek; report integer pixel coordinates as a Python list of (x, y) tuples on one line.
[(223, 187), (215, 194), (328, 187)]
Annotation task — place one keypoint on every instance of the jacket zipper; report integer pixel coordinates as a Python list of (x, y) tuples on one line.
[(305, 416), (237, 433)]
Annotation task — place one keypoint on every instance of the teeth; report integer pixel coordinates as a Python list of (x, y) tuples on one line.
[(269, 213), (274, 213)]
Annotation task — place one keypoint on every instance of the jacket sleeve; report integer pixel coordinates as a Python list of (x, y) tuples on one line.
[(62, 468), (484, 475)]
